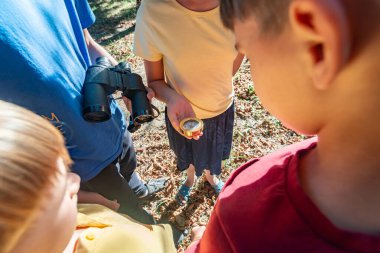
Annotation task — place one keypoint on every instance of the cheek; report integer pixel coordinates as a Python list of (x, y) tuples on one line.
[(67, 218), (282, 83), (266, 77), (70, 210), (275, 81)]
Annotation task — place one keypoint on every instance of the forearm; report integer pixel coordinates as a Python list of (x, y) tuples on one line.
[(95, 198), (95, 50), (156, 81), (163, 92)]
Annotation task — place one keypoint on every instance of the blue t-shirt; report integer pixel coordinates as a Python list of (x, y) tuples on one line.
[(43, 60)]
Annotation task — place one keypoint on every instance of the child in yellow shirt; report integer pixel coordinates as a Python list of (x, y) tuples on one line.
[(190, 59)]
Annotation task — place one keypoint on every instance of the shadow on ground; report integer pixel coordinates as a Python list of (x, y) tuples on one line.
[(114, 20)]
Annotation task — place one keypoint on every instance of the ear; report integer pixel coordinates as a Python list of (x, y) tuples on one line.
[(323, 29)]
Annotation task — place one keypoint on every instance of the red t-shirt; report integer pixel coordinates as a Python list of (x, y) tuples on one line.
[(264, 209)]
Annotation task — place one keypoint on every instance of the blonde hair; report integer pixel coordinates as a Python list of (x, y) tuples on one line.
[(29, 150)]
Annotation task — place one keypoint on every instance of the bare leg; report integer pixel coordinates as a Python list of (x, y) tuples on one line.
[(191, 177), (183, 194), (212, 179), (215, 182)]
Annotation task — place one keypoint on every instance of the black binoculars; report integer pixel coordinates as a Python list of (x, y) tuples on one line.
[(102, 79)]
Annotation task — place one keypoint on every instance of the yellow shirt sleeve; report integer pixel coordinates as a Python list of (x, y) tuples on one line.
[(145, 42)]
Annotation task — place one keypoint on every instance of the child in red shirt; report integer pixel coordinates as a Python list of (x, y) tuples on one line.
[(315, 68)]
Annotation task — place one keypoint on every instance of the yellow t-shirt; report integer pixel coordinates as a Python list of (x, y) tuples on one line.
[(197, 52), (106, 231)]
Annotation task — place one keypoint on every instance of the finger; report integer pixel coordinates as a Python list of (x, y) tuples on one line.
[(175, 124), (116, 205), (198, 136), (197, 232), (150, 93), (128, 104)]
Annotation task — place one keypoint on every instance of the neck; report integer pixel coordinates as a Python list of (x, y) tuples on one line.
[(199, 5), (342, 175)]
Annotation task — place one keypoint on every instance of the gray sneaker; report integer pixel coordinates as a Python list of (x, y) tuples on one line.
[(153, 186)]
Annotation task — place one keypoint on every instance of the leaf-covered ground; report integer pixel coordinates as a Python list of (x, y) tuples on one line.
[(256, 133)]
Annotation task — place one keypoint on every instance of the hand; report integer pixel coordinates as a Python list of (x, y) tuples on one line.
[(178, 108), (197, 233), (111, 204), (96, 198), (150, 95)]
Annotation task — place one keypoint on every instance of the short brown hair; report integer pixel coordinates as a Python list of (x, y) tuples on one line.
[(29, 150), (272, 14)]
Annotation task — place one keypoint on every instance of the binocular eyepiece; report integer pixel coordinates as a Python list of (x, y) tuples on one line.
[(102, 79)]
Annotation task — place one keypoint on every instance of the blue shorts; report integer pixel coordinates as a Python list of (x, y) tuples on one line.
[(209, 151)]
